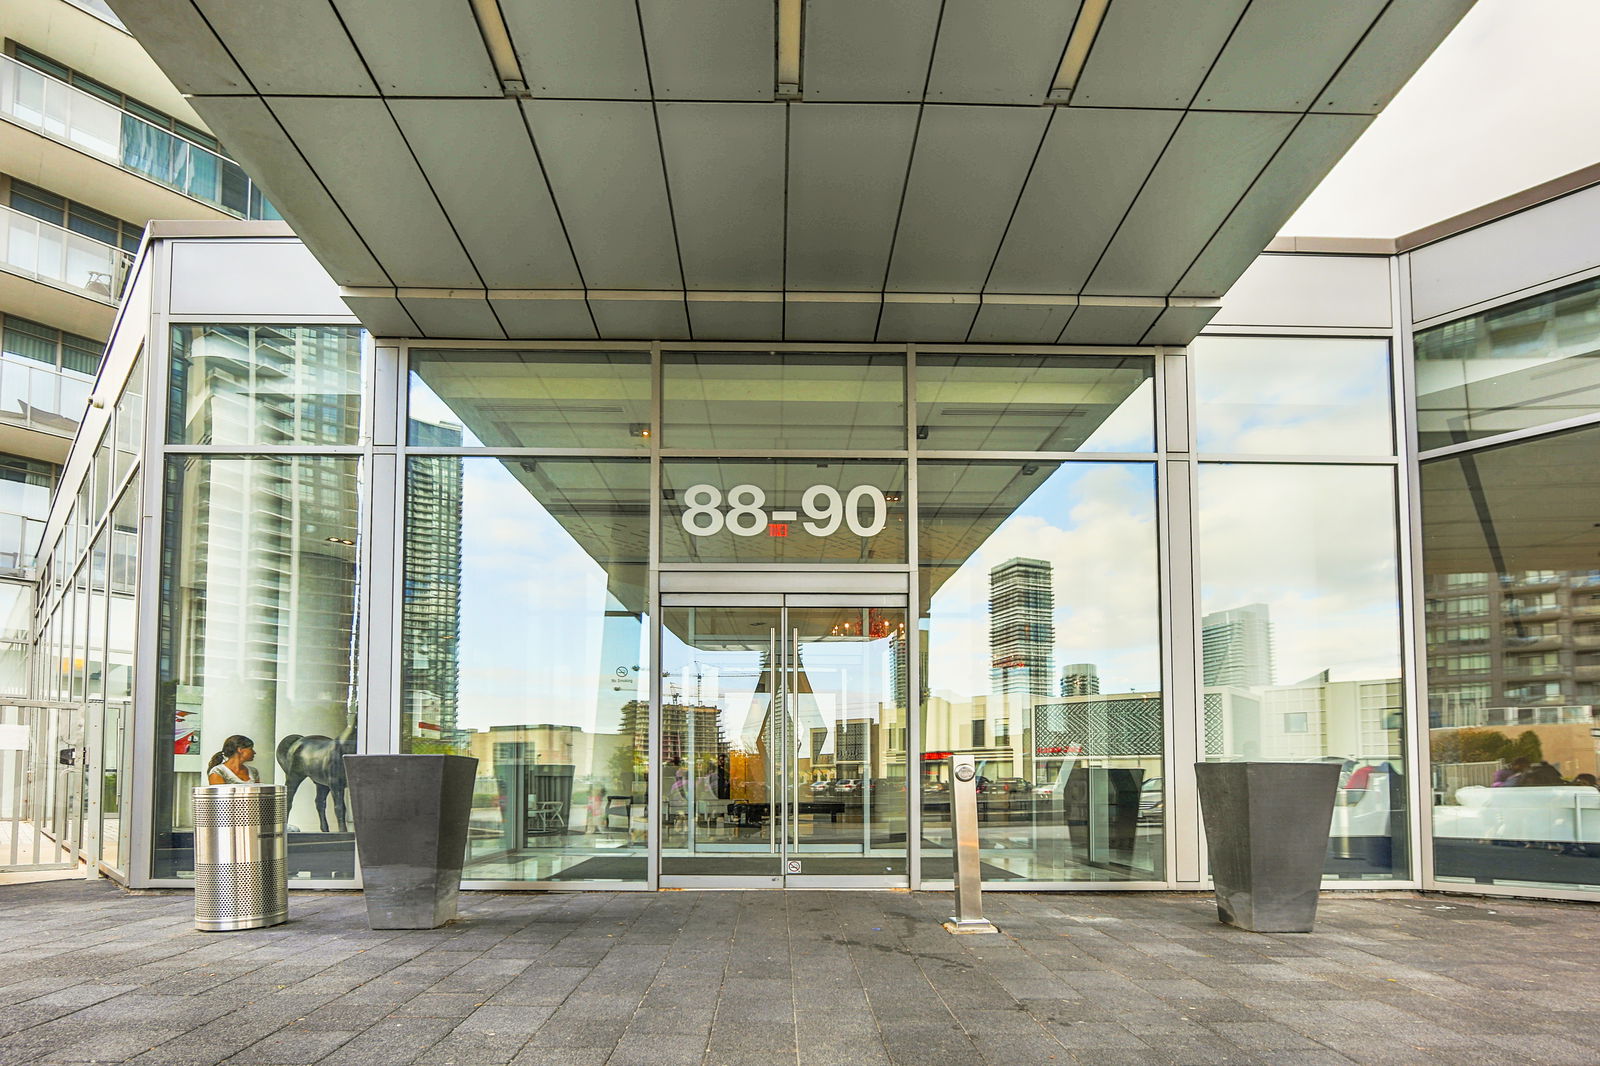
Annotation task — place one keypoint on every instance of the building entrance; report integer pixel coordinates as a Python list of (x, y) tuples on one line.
[(784, 720)]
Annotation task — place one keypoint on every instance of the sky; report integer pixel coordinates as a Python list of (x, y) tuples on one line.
[(1506, 102)]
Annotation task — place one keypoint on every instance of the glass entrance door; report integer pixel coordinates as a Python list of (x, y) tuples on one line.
[(783, 740)]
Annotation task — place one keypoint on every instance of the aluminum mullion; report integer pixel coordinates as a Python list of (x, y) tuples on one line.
[(913, 642), (652, 803)]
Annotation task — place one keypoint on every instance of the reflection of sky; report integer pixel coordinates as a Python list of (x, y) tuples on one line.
[(1317, 545), (1129, 428), (1095, 523), (1292, 396), (535, 646), (427, 407)]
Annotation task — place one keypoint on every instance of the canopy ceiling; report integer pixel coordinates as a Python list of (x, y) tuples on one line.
[(922, 181)]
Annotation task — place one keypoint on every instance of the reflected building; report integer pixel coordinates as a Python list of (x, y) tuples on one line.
[(1022, 632), (1238, 646), (1080, 679), (430, 648)]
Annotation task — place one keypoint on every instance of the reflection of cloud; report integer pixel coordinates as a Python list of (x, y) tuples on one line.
[(1095, 524), (1131, 427), (1316, 544), (1289, 396)]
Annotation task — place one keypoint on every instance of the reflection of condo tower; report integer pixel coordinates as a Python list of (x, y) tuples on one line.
[(430, 651), (1022, 634), (1238, 646), (1080, 679)]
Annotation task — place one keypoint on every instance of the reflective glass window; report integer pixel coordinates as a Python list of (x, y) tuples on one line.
[(265, 385), (1041, 656), (783, 511), (1044, 403), (532, 399), (1300, 628), (258, 630), (1292, 396), (1524, 364), (782, 400), (1514, 740), (526, 644)]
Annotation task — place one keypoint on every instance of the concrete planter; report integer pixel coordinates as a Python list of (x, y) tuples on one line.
[(1267, 832), (411, 833)]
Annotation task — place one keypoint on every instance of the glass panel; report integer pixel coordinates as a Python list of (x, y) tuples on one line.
[(1511, 558), (783, 511), (530, 399), (1041, 403), (526, 644), (130, 414), (1041, 655), (123, 622), (1292, 396), (1521, 365), (265, 385), (782, 400), (1300, 621), (257, 636)]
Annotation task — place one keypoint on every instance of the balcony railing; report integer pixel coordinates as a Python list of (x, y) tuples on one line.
[(38, 396), (68, 114), (56, 256)]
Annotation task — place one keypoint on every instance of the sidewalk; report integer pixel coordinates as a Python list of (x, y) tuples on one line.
[(90, 973)]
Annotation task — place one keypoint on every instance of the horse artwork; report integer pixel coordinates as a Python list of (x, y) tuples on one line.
[(320, 760)]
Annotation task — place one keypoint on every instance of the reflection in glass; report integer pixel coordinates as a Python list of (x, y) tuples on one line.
[(1292, 396), (783, 741), (1511, 557), (1041, 652), (783, 511), (265, 385), (782, 400), (1043, 403), (1524, 364), (257, 636), (532, 399), (1300, 624), (525, 644)]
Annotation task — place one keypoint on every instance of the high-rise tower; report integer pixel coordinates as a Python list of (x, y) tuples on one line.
[(1022, 633)]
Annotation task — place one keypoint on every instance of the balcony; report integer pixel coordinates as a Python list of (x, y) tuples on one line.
[(45, 252), (38, 397), (66, 114)]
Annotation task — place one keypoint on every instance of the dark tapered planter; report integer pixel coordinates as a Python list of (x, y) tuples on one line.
[(411, 832), (1267, 831)]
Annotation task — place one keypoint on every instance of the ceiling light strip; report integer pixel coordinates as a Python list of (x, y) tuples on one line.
[(790, 27), (1077, 53), (502, 53)]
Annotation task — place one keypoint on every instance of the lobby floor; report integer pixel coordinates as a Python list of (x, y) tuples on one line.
[(92, 973)]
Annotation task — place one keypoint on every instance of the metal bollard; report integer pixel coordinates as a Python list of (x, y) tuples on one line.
[(964, 827), (241, 857)]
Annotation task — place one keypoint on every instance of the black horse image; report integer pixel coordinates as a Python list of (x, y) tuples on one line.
[(320, 760)]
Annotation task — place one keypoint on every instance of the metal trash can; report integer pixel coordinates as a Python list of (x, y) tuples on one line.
[(241, 857)]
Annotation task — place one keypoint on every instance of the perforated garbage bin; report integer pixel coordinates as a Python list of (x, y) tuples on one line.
[(241, 857)]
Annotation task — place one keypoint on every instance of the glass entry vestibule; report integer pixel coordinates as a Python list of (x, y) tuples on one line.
[(783, 721)]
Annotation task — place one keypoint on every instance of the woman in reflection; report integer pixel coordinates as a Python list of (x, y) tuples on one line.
[(229, 766)]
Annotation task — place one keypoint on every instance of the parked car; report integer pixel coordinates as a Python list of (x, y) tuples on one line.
[(1152, 801)]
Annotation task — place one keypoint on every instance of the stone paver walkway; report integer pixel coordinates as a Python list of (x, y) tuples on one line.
[(90, 973)]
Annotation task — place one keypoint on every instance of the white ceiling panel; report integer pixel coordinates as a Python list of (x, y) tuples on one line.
[(387, 33), (621, 318), (383, 316), (725, 168), (181, 43), (1018, 323), (317, 58), (1255, 72), (1178, 325), (1207, 167), (967, 169), (868, 52), (519, 243), (1405, 35), (1154, 53), (944, 321), (590, 49), (711, 49), (999, 51), (1091, 166), (736, 320), (830, 320), (1109, 325), (604, 165), (847, 167), (457, 316), (1311, 149), (358, 152), (257, 141), (545, 316)]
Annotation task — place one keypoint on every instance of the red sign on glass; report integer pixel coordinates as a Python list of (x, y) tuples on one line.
[(777, 529)]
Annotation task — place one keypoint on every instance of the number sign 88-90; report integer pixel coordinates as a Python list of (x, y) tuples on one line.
[(745, 513)]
